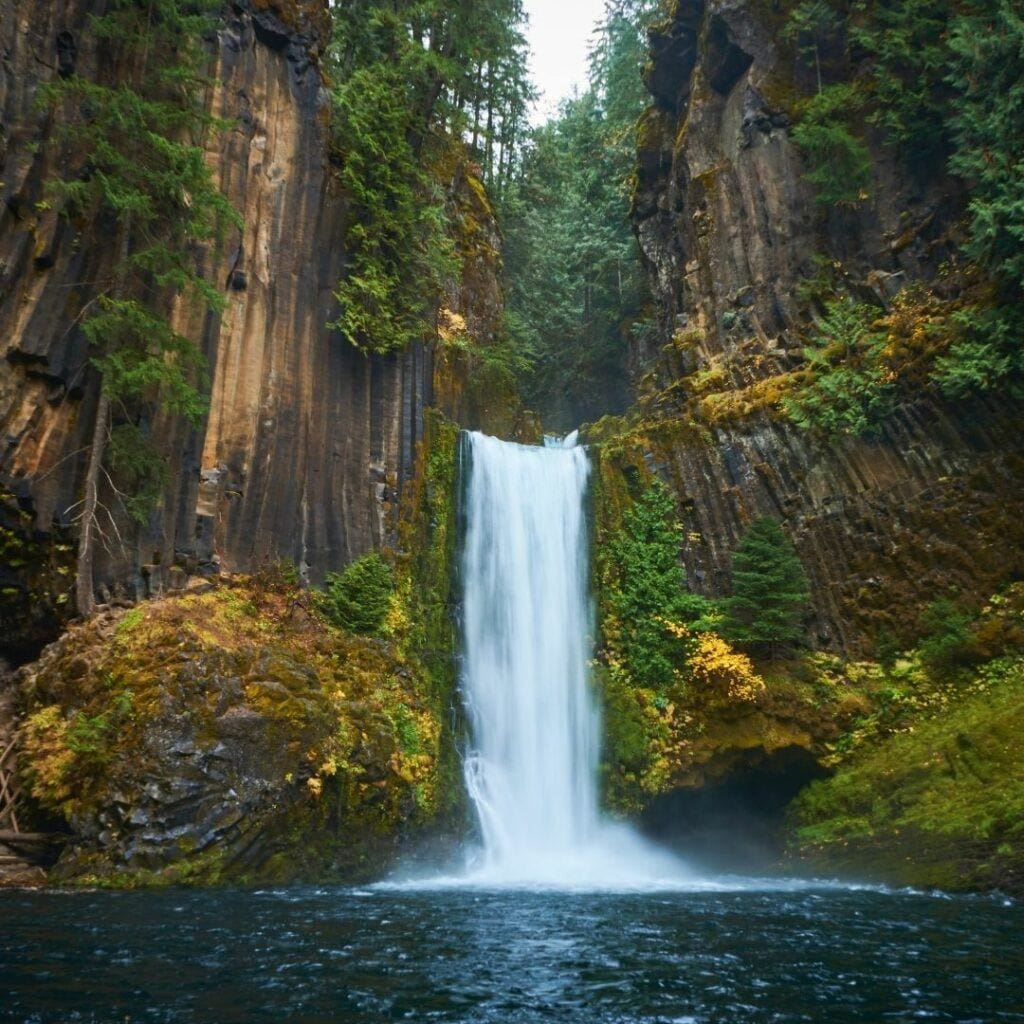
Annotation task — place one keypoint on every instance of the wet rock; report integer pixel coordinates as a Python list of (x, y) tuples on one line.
[(238, 722)]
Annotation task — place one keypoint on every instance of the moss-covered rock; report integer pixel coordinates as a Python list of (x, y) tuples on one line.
[(726, 718), (940, 802), (423, 617), (477, 369), (229, 734), (928, 789)]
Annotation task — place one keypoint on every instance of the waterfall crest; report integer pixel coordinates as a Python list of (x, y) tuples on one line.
[(532, 769)]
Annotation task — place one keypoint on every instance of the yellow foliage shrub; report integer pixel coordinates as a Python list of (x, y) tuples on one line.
[(45, 747), (715, 665)]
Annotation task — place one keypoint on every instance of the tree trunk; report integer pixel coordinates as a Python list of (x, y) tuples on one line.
[(84, 594), (477, 96), (489, 136), (85, 597)]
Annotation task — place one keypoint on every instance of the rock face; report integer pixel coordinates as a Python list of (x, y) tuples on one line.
[(308, 443), (729, 230), (727, 222), (921, 788)]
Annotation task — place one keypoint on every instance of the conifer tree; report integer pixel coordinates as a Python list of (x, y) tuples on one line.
[(987, 72), (411, 80), (574, 279), (645, 586), (134, 134), (770, 591)]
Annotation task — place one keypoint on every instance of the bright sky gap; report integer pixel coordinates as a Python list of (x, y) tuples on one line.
[(560, 33)]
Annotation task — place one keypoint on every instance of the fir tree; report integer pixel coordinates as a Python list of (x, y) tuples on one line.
[(135, 133), (574, 281), (358, 597), (850, 392), (646, 590), (412, 80), (838, 161), (812, 24), (770, 592)]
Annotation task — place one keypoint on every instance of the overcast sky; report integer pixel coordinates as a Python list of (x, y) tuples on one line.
[(559, 34)]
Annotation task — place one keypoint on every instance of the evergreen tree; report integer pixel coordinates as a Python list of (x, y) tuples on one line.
[(812, 25), (770, 591), (645, 588), (987, 73), (850, 392), (838, 161), (413, 80), (907, 41), (135, 133), (358, 597)]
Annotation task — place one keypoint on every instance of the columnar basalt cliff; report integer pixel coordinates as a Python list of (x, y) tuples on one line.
[(909, 521), (731, 234), (308, 443)]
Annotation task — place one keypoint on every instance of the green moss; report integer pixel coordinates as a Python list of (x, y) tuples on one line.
[(937, 801), (131, 621), (651, 131), (423, 611)]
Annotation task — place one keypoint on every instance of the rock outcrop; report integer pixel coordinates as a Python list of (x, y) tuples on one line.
[(922, 783), (227, 734)]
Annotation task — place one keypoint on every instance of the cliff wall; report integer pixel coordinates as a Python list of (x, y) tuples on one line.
[(731, 235), (308, 443)]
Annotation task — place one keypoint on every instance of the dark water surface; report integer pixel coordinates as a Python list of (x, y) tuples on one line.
[(361, 956)]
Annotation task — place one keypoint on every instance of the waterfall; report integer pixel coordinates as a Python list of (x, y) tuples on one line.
[(532, 768)]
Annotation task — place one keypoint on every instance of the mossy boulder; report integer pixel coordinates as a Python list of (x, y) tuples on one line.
[(230, 735), (701, 732)]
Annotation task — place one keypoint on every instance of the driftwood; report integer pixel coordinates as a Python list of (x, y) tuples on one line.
[(17, 840), (8, 793), (30, 848)]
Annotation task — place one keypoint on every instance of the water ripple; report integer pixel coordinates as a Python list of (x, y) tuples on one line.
[(743, 956)]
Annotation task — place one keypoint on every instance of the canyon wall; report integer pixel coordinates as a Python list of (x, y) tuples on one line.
[(308, 443), (730, 231)]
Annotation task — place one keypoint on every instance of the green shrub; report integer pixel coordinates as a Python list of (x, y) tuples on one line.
[(947, 644), (851, 390), (838, 162), (990, 350), (887, 647), (358, 597)]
